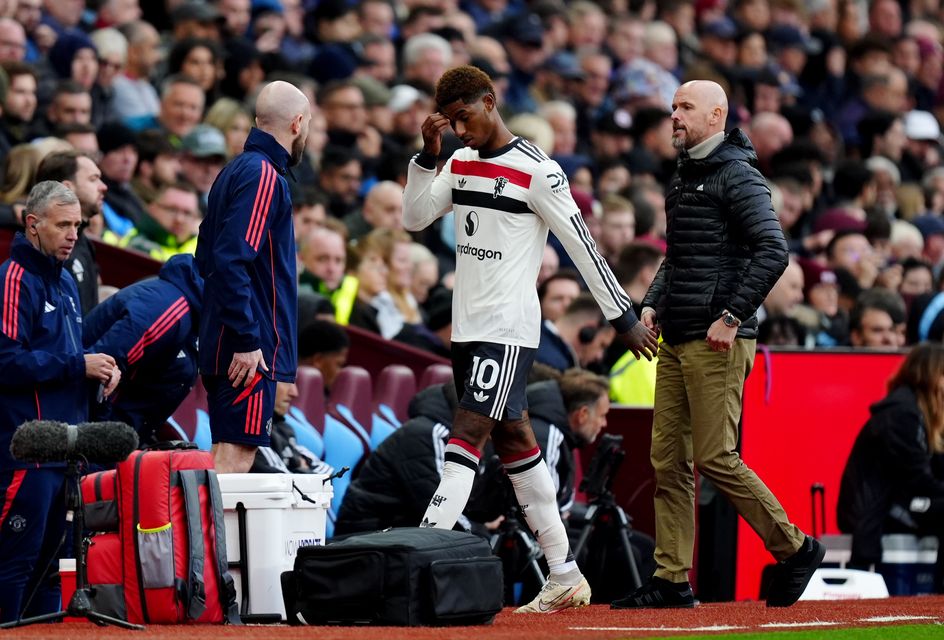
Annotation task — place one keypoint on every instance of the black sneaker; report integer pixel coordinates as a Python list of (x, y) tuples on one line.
[(658, 593), (793, 574)]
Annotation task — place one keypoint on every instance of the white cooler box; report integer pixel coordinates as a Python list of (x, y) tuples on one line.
[(278, 521)]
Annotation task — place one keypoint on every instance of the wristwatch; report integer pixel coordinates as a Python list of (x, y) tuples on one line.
[(729, 320)]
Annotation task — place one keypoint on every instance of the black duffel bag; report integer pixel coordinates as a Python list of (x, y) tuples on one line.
[(404, 577)]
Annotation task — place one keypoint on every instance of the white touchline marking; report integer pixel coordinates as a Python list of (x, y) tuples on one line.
[(896, 618), (712, 628), (814, 623)]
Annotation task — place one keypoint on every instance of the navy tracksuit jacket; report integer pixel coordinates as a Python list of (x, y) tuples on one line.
[(150, 328), (246, 255), (42, 377), (42, 365)]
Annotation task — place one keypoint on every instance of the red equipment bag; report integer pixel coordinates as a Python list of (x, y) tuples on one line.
[(98, 501), (171, 515), (171, 542), (106, 574)]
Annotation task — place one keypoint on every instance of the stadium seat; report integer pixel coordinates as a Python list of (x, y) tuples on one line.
[(311, 396), (306, 435), (203, 437), (435, 374), (380, 430), (185, 416), (171, 430), (396, 386), (353, 390), (344, 447), (347, 420)]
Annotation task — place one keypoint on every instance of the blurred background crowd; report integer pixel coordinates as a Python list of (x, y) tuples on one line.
[(841, 98)]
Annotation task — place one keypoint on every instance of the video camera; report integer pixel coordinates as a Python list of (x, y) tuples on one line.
[(598, 481)]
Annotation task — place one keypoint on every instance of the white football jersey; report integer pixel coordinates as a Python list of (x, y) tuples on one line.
[(504, 202)]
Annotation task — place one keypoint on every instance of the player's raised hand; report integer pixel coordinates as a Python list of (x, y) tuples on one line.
[(433, 129)]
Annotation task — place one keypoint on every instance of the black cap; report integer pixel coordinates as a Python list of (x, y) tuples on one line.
[(783, 36), (617, 121), (526, 30), (332, 9)]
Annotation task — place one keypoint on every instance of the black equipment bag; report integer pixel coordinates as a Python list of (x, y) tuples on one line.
[(406, 577)]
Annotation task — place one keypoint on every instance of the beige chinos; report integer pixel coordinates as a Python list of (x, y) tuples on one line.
[(697, 409)]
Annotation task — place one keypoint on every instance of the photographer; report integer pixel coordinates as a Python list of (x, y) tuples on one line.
[(567, 411)]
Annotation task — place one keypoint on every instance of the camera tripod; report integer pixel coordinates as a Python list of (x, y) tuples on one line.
[(604, 515), (519, 553), (80, 606)]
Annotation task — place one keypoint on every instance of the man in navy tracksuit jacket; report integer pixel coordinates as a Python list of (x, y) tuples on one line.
[(44, 378), (150, 328), (246, 255)]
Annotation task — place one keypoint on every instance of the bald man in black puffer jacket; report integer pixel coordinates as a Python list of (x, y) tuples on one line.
[(725, 250)]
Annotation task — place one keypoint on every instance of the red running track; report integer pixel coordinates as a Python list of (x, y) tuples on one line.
[(595, 622)]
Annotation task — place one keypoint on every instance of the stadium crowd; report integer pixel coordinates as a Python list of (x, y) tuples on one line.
[(840, 100)]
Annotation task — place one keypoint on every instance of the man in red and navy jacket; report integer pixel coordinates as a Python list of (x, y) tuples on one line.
[(246, 255), (44, 378), (150, 328)]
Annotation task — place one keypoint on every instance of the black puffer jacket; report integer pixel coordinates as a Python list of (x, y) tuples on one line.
[(726, 248), (552, 431), (890, 464)]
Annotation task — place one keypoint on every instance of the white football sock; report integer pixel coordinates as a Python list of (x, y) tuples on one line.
[(538, 501), (452, 494)]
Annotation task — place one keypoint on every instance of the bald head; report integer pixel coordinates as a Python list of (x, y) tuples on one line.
[(278, 104), (699, 111), (383, 206), (770, 132), (708, 93), (285, 113), (12, 40)]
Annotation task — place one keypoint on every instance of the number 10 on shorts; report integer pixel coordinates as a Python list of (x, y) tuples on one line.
[(484, 373)]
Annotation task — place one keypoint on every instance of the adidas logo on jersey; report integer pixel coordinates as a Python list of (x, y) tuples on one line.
[(49, 307), (479, 396), (181, 354), (461, 183), (700, 187)]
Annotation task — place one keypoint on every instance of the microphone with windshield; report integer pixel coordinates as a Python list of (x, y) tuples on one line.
[(76, 445), (51, 441)]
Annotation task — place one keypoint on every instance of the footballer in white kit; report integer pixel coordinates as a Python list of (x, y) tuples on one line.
[(504, 202), (506, 194)]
